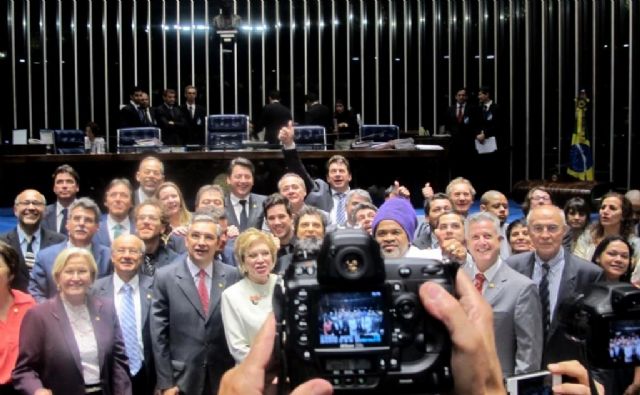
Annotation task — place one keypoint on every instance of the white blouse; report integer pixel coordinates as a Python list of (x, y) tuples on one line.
[(80, 321)]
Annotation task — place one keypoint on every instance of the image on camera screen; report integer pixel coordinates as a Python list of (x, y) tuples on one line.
[(351, 319), (540, 385), (624, 341)]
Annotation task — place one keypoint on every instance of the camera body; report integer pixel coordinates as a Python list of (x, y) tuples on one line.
[(607, 320), (356, 319)]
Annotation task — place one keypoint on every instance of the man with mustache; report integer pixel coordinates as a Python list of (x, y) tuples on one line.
[(150, 175), (28, 237), (81, 227)]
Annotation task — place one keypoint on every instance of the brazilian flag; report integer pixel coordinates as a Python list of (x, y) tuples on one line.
[(580, 157)]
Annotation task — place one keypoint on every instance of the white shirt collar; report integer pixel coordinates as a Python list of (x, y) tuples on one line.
[(194, 270), (111, 223), (118, 283), (490, 273)]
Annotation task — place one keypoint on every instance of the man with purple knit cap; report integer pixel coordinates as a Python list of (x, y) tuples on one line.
[(393, 228)]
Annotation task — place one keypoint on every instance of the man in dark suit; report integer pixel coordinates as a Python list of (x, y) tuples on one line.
[(490, 126), (151, 222), (81, 226), (274, 116), (195, 116), (131, 115), (187, 335), (512, 296), (558, 274), (28, 237), (318, 114), (149, 176), (461, 121), (329, 195), (279, 218), (171, 120), (148, 113), (244, 209), (66, 185), (118, 198), (126, 256)]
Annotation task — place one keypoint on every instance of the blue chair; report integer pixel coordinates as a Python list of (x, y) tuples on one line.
[(68, 141), (130, 139), (227, 131), (310, 137), (382, 133)]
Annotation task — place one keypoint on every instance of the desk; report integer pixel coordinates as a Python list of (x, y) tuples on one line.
[(194, 169)]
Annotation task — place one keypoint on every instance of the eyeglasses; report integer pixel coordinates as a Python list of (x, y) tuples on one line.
[(130, 251), (36, 203), (539, 229)]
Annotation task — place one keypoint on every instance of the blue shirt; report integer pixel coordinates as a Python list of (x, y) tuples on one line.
[(24, 241)]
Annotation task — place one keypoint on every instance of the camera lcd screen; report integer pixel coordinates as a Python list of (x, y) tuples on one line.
[(624, 341), (540, 385), (351, 319)]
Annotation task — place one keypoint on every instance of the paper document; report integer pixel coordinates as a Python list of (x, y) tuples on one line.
[(488, 147)]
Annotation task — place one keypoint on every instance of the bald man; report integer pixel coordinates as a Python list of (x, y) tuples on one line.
[(28, 237), (497, 204)]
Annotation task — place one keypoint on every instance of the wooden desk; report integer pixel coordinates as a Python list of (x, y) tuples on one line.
[(194, 169)]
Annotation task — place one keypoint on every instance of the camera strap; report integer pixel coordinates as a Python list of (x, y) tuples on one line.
[(592, 383)]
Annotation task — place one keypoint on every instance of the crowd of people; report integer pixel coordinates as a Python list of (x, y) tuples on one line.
[(151, 296)]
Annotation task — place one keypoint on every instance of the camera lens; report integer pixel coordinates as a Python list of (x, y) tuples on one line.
[(351, 265)]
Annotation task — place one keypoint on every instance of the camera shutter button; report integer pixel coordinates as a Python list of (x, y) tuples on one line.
[(404, 271)]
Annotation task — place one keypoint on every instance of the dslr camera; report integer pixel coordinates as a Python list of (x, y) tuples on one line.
[(606, 320), (346, 315)]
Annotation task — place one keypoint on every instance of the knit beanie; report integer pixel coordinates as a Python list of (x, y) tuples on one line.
[(400, 210)]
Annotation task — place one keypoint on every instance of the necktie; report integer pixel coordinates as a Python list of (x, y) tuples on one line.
[(141, 114), (30, 241), (341, 214), (244, 219), (63, 223), (202, 291), (191, 110), (478, 281), (30, 257), (148, 268), (543, 289), (129, 332), (117, 231), (460, 114)]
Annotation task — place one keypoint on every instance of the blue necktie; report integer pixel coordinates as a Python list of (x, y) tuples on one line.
[(63, 223), (543, 289), (341, 214), (129, 331)]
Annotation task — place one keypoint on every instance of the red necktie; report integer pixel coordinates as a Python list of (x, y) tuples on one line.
[(460, 114), (202, 291), (479, 281)]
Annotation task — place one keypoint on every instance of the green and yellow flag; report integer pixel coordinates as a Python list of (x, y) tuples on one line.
[(580, 157)]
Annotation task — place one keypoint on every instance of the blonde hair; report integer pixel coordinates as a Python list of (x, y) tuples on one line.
[(249, 238), (183, 213), (68, 253)]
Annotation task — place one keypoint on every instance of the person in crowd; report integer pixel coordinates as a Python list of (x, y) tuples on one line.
[(148, 113), (436, 205), (149, 176), (317, 113), (293, 188), (461, 193), (169, 194), (82, 227), (329, 195), (227, 237), (355, 197), (131, 293), (94, 136), (616, 218), (244, 208), (72, 343), (310, 224), (246, 304), (557, 273), (118, 200), (279, 219), (274, 116), (189, 347), (346, 126), (461, 123), (496, 203), (131, 115), (363, 215), (13, 306), (28, 237), (66, 185), (536, 196), (613, 255), (195, 116), (490, 125), (633, 196), (513, 297), (210, 195), (449, 229), (577, 212), (518, 236), (171, 120), (151, 222)]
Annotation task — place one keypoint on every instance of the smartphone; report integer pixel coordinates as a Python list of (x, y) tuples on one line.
[(538, 383)]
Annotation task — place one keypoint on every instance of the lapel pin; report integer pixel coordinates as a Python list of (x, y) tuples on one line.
[(492, 285), (15, 309), (221, 285), (97, 318), (148, 296)]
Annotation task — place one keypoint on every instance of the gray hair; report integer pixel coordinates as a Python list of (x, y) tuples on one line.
[(87, 204), (205, 218), (553, 207), (481, 216), (359, 207), (358, 192)]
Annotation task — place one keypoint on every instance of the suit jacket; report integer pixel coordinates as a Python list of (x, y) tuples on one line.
[(491, 122), (130, 117), (41, 283), (195, 124), (103, 288), (49, 355), (319, 114), (47, 238), (188, 344), (172, 134), (274, 116), (318, 191), (577, 275), (49, 219), (256, 212), (463, 134), (102, 236), (517, 320), (162, 257)]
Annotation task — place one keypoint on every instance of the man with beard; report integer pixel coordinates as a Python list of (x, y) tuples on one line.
[(81, 226), (28, 237), (151, 221), (171, 120), (149, 176)]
